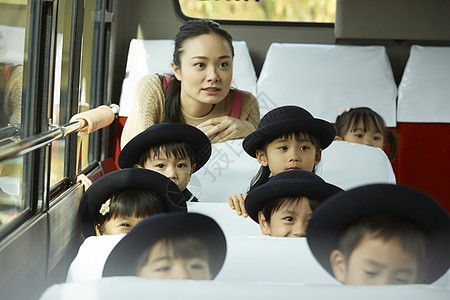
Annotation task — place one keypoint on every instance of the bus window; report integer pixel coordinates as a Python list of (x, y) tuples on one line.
[(309, 11), (13, 18)]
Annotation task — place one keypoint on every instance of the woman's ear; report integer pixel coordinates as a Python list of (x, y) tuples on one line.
[(176, 70), (261, 157), (263, 224), (338, 265), (318, 157)]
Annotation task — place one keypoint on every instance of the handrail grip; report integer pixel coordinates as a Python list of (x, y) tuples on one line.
[(26, 145)]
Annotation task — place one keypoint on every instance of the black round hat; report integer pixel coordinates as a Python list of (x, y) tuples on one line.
[(294, 183), (166, 133), (104, 187), (123, 259), (335, 215), (287, 119)]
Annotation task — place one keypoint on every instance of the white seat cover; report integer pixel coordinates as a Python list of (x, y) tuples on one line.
[(12, 45), (228, 171), (154, 56), (135, 288), (228, 220), (91, 257), (325, 79), (424, 92), (349, 165), (272, 259)]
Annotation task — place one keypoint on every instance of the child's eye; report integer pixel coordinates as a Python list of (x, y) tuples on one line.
[(284, 148), (160, 166), (163, 269), (125, 225), (358, 135), (181, 165), (289, 219), (304, 148), (196, 267), (401, 280), (377, 138), (370, 273)]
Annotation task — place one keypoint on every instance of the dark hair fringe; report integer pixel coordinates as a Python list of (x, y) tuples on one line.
[(179, 150)]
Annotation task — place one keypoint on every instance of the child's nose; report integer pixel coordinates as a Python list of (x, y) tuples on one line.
[(299, 229), (294, 155), (368, 141), (171, 172), (182, 272)]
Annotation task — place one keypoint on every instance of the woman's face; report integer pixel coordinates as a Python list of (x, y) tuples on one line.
[(205, 72)]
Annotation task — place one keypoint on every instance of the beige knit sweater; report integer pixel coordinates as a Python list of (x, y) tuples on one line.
[(148, 109)]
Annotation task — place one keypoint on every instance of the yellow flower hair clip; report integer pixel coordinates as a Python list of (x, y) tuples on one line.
[(105, 207)]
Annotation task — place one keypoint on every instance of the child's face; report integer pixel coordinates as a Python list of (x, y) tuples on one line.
[(285, 154), (375, 262), (118, 225), (372, 137), (163, 264), (177, 170), (290, 220)]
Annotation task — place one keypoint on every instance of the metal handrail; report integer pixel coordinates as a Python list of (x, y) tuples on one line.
[(26, 145)]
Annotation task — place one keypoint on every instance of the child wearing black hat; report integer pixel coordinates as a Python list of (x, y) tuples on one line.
[(381, 234), (284, 205), (173, 149), (112, 206), (170, 246), (287, 138)]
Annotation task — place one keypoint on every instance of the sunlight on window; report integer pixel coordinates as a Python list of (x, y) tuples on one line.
[(317, 11)]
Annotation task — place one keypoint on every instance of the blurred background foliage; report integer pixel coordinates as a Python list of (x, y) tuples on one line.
[(322, 11)]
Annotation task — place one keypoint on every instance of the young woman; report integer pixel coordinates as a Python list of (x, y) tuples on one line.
[(199, 93)]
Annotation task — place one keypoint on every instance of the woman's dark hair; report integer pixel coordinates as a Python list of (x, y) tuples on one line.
[(191, 29), (271, 207), (263, 174), (177, 150), (132, 202), (348, 120)]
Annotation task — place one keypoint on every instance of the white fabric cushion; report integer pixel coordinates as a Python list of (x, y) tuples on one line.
[(324, 79), (91, 257), (349, 165), (272, 259), (143, 289), (424, 92), (155, 56), (228, 220), (228, 171)]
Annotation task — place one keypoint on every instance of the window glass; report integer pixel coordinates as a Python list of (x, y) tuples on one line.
[(316, 11), (86, 66), (13, 19), (61, 80)]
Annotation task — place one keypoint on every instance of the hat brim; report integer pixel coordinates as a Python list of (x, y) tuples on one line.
[(270, 191), (322, 129), (166, 133), (104, 187), (331, 219), (123, 259)]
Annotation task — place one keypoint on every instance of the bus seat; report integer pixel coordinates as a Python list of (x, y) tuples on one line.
[(325, 79), (272, 259), (139, 289), (349, 165), (424, 122), (228, 171), (154, 56), (228, 220)]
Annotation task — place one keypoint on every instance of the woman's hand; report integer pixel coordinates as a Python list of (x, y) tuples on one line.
[(226, 128), (236, 202)]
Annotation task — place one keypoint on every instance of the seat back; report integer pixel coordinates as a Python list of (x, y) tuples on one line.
[(154, 56), (424, 122), (349, 165), (228, 171), (324, 79)]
